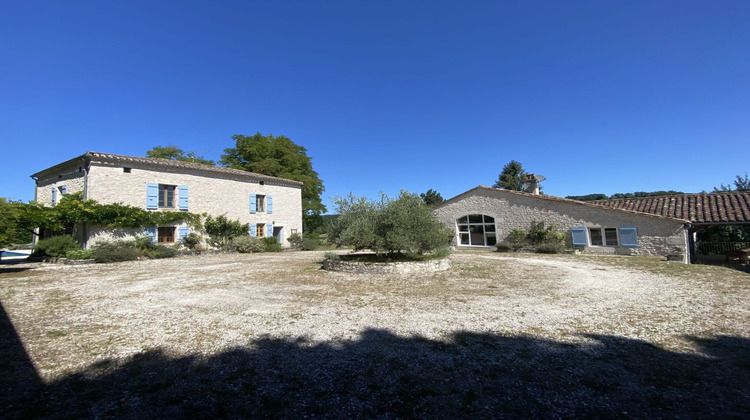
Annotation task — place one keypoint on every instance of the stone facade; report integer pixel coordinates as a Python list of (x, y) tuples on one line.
[(210, 190), (656, 236)]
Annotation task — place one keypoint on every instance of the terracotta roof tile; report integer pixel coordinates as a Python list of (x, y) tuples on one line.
[(725, 207), (190, 166)]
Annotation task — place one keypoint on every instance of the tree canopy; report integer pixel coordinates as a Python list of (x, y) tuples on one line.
[(173, 152), (512, 176), (390, 227), (280, 157), (431, 197), (740, 184)]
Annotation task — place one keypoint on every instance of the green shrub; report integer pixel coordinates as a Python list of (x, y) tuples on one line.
[(551, 247), (503, 246), (80, 254), (296, 241), (245, 244), (310, 244), (191, 240), (517, 239), (221, 230), (330, 255), (161, 251), (143, 244), (56, 246), (272, 245), (115, 251)]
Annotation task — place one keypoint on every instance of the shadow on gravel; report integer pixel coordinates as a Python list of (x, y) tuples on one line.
[(388, 376)]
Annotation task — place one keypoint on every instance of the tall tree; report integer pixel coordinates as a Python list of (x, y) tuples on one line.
[(512, 176), (431, 197), (281, 157), (173, 152)]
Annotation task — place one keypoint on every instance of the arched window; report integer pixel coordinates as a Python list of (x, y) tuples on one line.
[(476, 230)]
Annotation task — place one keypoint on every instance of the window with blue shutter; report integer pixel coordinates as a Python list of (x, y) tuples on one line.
[(579, 236), (253, 230), (183, 232), (152, 196), (269, 204), (64, 189), (151, 233), (54, 196), (182, 191), (269, 230), (253, 207), (628, 237)]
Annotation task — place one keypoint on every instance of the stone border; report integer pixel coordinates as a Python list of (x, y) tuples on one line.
[(387, 268)]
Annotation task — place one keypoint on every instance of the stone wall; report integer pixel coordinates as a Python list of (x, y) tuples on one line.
[(410, 267), (516, 210)]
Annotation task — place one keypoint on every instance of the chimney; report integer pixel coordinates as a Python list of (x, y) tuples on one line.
[(531, 184)]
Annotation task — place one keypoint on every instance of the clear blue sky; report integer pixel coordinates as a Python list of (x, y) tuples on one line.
[(598, 96)]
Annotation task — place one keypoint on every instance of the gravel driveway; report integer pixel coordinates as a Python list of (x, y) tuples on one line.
[(508, 335)]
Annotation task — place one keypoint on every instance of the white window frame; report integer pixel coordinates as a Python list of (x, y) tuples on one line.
[(469, 225), (260, 203)]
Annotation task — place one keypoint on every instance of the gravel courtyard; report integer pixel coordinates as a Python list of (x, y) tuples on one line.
[(497, 335)]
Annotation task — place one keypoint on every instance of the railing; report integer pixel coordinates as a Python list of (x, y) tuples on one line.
[(709, 248)]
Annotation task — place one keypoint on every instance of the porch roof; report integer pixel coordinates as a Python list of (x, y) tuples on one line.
[(711, 208)]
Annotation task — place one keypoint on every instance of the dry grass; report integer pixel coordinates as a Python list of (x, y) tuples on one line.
[(272, 334)]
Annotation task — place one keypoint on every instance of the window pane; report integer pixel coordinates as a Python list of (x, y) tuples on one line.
[(464, 239), (491, 239), (475, 218), (596, 236), (463, 220), (610, 235), (463, 228), (488, 219), (489, 228)]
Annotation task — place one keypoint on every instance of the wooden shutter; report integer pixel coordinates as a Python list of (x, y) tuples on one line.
[(269, 204), (253, 204), (151, 232), (183, 231), (152, 196), (628, 237), (253, 230), (182, 191), (64, 189), (269, 230), (54, 196), (579, 236)]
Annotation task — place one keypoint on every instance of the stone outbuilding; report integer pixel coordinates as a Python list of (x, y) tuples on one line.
[(484, 216), (271, 206)]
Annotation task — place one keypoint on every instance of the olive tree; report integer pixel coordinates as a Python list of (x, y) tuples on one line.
[(405, 225)]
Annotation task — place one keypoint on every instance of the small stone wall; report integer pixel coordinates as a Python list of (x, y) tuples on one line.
[(387, 268)]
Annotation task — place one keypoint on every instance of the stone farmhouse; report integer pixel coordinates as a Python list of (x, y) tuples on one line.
[(271, 206), (483, 216)]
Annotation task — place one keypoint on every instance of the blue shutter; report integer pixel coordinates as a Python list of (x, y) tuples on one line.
[(269, 204), (64, 189), (54, 196), (253, 204), (253, 230), (269, 230), (183, 231), (151, 232), (152, 196), (183, 194), (628, 237), (579, 236)]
